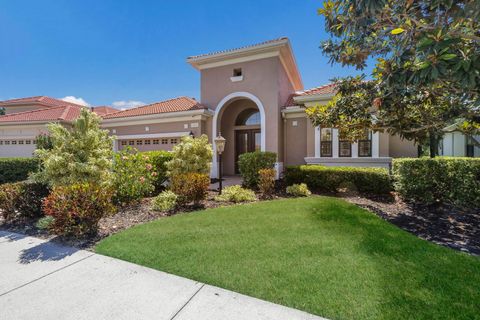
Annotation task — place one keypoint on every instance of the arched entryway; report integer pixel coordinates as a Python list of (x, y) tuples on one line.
[(240, 117)]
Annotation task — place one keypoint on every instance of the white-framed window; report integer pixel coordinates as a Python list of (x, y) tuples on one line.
[(131, 143), (326, 137), (164, 141), (344, 145), (365, 144), (156, 141), (147, 142), (124, 142), (173, 141), (139, 142)]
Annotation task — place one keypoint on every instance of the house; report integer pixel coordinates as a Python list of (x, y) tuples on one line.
[(253, 96), (455, 144)]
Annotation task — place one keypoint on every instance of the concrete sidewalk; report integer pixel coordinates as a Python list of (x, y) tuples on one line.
[(43, 280)]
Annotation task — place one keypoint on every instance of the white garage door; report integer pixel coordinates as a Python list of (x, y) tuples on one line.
[(17, 148)]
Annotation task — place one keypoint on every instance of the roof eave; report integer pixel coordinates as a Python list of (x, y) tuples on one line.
[(203, 111)]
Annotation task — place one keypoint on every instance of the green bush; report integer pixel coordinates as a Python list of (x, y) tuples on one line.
[(266, 182), (190, 187), (133, 176), (191, 155), (159, 159), (449, 180), (330, 179), (22, 199), (78, 208), (298, 190), (17, 169), (165, 201), (249, 164), (236, 194), (45, 223)]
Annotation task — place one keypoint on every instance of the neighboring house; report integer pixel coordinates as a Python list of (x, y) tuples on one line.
[(253, 95), (456, 144)]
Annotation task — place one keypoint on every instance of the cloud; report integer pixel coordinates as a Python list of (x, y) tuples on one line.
[(129, 104), (76, 100)]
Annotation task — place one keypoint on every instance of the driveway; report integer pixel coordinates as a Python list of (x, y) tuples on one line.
[(43, 280)]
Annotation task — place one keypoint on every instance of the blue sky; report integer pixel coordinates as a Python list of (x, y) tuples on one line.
[(117, 50)]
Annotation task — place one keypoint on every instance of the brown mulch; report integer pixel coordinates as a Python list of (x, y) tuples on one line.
[(444, 225), (441, 224)]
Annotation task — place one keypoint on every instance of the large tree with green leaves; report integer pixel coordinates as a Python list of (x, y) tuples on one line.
[(82, 154), (428, 66)]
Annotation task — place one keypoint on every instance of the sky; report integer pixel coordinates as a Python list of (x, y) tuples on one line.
[(130, 52)]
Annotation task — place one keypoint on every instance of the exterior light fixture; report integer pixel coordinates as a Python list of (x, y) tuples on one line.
[(220, 146)]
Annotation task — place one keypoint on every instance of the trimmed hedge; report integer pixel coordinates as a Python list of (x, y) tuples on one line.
[(330, 179), (159, 159), (250, 163), (449, 180), (17, 169)]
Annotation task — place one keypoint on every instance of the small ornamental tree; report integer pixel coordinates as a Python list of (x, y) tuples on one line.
[(82, 154), (191, 155)]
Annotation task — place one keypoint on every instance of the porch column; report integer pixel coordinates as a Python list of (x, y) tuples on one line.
[(376, 145), (317, 142), (335, 143), (355, 150)]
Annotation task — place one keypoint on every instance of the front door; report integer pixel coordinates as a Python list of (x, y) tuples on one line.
[(246, 141)]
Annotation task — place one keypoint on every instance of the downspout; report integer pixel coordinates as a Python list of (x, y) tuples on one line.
[(284, 142)]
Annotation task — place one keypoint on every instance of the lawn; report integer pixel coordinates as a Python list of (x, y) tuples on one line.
[(317, 254)]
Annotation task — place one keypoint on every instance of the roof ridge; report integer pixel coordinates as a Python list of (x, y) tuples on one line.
[(151, 104), (64, 113)]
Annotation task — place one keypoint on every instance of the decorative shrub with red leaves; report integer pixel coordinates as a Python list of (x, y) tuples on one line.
[(266, 182), (190, 187), (78, 208)]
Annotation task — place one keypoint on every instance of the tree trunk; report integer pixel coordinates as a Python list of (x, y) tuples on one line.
[(433, 144)]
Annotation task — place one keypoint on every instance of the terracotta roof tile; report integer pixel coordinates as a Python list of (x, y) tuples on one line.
[(240, 48), (172, 105), (43, 100), (104, 110), (62, 113), (327, 89)]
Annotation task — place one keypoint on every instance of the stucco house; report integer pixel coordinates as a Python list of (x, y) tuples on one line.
[(253, 95)]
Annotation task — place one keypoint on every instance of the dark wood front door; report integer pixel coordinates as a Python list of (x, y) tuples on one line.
[(246, 141)]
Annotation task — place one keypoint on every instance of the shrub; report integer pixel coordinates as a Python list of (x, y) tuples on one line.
[(78, 208), (17, 169), (82, 154), (449, 180), (191, 155), (190, 187), (45, 223), (236, 194), (159, 159), (266, 182), (165, 201), (22, 199), (298, 190), (250, 164), (133, 176), (330, 179)]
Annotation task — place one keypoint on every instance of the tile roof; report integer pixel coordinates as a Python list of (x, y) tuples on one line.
[(240, 48), (327, 89), (172, 105), (61, 113), (43, 100), (104, 110)]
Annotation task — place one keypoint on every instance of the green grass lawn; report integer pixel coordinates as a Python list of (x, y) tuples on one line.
[(317, 254)]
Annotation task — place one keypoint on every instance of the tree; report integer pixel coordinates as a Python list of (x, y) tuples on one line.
[(428, 65), (2, 111), (82, 154), (191, 155)]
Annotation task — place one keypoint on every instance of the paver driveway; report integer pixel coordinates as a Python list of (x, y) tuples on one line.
[(43, 280)]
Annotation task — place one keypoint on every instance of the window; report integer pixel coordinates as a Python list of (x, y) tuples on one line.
[(14, 141), (248, 117), (28, 142), (156, 141), (131, 143), (326, 142), (147, 142), (344, 146), (139, 142), (124, 143), (20, 142), (237, 72), (7, 142), (164, 141), (173, 141), (365, 144), (470, 147), (1, 142)]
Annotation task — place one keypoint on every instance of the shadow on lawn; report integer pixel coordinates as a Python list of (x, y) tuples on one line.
[(47, 251), (417, 279)]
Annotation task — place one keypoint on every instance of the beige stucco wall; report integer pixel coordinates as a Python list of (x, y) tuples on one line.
[(401, 148), (384, 144), (296, 140)]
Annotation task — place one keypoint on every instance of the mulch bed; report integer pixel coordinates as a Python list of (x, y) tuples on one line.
[(444, 225)]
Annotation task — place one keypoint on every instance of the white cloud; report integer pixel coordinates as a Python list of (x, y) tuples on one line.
[(76, 100), (123, 105)]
